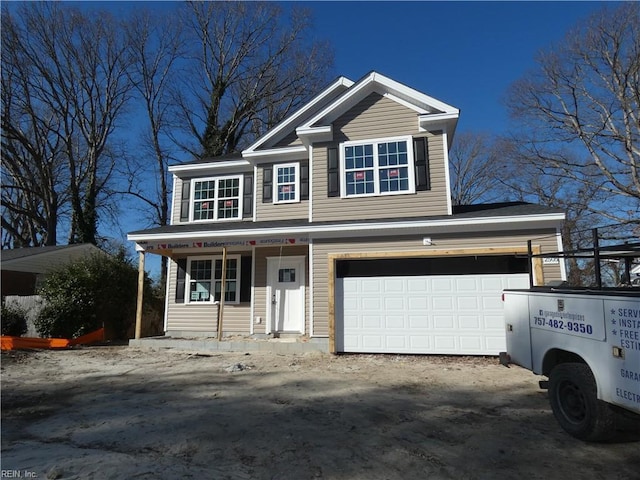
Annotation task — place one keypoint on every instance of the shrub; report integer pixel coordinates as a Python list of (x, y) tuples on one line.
[(87, 294), (14, 320)]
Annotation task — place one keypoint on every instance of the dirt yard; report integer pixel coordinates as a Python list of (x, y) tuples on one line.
[(126, 413)]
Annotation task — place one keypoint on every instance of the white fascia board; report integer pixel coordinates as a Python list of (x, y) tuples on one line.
[(414, 95), (340, 82), (430, 118), (209, 167), (341, 100), (315, 134), (284, 153), (480, 224), (439, 121), (394, 90)]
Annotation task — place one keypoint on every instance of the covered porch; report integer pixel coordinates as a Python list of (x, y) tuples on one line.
[(262, 293)]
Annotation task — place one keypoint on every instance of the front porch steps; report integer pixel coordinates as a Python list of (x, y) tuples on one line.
[(284, 345)]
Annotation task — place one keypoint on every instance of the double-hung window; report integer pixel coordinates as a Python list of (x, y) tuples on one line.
[(286, 185), (204, 279), (378, 167), (217, 198)]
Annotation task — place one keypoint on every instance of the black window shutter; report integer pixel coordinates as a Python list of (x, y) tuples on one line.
[(304, 182), (267, 184), (181, 276), (245, 279), (247, 197), (421, 154), (184, 200), (333, 173)]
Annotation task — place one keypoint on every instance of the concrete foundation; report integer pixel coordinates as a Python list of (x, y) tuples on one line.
[(235, 344)]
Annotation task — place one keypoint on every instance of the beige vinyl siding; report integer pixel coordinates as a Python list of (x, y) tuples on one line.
[(203, 317), (177, 202), (419, 204), (290, 140), (277, 211), (322, 248), (260, 281), (375, 116)]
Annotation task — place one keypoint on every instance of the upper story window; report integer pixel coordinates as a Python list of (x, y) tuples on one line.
[(217, 198), (204, 279), (286, 185), (378, 167)]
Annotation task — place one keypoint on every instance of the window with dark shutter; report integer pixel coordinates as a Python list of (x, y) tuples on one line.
[(184, 200), (333, 173), (267, 184), (245, 279), (247, 197), (304, 182), (181, 276), (421, 153)]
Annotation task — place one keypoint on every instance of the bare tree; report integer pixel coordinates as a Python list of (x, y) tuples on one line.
[(252, 67), (33, 183), (75, 67), (156, 46), (473, 167), (580, 111)]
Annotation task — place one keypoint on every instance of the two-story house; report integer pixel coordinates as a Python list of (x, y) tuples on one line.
[(337, 225)]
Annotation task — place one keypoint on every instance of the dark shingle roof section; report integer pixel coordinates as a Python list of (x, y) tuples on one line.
[(12, 254), (222, 158), (487, 210)]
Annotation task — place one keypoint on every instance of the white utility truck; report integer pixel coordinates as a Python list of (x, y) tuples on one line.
[(586, 341)]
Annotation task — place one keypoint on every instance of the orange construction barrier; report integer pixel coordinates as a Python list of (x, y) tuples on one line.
[(17, 343)]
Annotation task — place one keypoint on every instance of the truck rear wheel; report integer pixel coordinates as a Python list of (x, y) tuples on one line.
[(575, 404)]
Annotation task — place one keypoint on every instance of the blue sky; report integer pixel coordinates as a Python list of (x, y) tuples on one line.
[(465, 54)]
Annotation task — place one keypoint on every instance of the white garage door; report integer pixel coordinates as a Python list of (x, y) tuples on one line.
[(439, 314)]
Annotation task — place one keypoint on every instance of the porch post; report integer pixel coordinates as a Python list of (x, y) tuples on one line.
[(223, 288), (140, 294)]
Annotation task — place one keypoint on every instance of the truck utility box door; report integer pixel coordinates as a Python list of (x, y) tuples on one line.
[(516, 313)]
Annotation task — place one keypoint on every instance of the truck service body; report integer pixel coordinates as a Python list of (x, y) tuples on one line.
[(587, 341)]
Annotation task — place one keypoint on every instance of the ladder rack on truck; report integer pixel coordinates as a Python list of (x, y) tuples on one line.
[(586, 340)]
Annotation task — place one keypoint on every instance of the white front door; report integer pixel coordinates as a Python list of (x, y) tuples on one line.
[(285, 294)]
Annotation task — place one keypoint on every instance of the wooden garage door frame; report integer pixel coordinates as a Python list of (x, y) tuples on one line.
[(538, 275)]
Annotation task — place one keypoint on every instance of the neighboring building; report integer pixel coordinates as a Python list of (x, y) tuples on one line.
[(24, 268), (338, 226)]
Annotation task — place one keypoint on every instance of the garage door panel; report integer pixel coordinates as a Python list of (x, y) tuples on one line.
[(418, 322), (397, 341), (467, 303), (394, 285), (444, 303), (445, 343), (441, 284), (465, 284), (443, 321), (417, 284), (466, 322), (369, 286), (425, 314), (471, 344), (394, 303)]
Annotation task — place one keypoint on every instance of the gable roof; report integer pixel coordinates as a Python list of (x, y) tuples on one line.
[(44, 259), (289, 124), (432, 114), (312, 122)]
